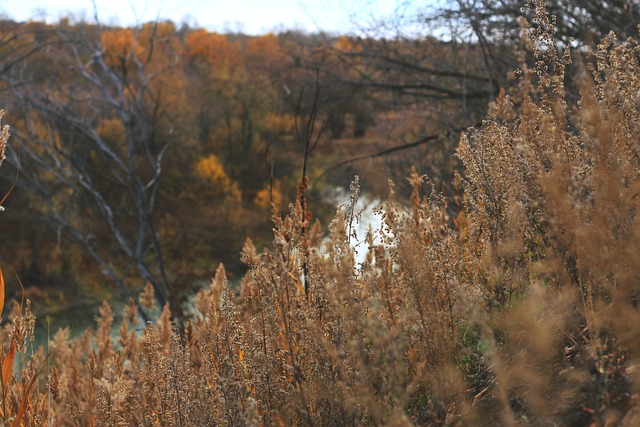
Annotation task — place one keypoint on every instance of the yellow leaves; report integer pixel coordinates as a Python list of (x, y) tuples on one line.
[(266, 196), (117, 42), (118, 46), (280, 124), (211, 169)]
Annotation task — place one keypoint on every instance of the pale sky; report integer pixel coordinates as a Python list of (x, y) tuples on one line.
[(249, 16)]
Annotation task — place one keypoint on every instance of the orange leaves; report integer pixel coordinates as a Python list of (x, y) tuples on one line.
[(118, 46), (157, 32), (267, 45), (118, 42), (197, 44), (8, 359), (1, 291), (8, 410), (7, 363), (264, 51), (212, 48)]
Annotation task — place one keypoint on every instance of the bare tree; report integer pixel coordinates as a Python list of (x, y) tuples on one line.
[(440, 64), (90, 153), (574, 21)]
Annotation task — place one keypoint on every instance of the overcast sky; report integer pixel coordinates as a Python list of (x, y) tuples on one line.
[(250, 16)]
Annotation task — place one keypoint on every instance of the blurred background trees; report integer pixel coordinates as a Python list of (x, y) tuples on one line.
[(148, 154), (430, 70), (154, 151)]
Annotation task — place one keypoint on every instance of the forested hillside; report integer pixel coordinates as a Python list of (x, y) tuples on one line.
[(149, 154), (500, 289)]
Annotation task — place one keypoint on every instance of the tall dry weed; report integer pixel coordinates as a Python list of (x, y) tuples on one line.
[(552, 185)]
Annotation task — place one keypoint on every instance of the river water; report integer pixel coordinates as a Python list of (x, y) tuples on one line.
[(365, 217)]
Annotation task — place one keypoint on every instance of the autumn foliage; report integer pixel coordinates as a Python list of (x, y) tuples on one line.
[(520, 309)]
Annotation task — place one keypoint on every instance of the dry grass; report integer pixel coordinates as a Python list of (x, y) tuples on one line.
[(522, 310)]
